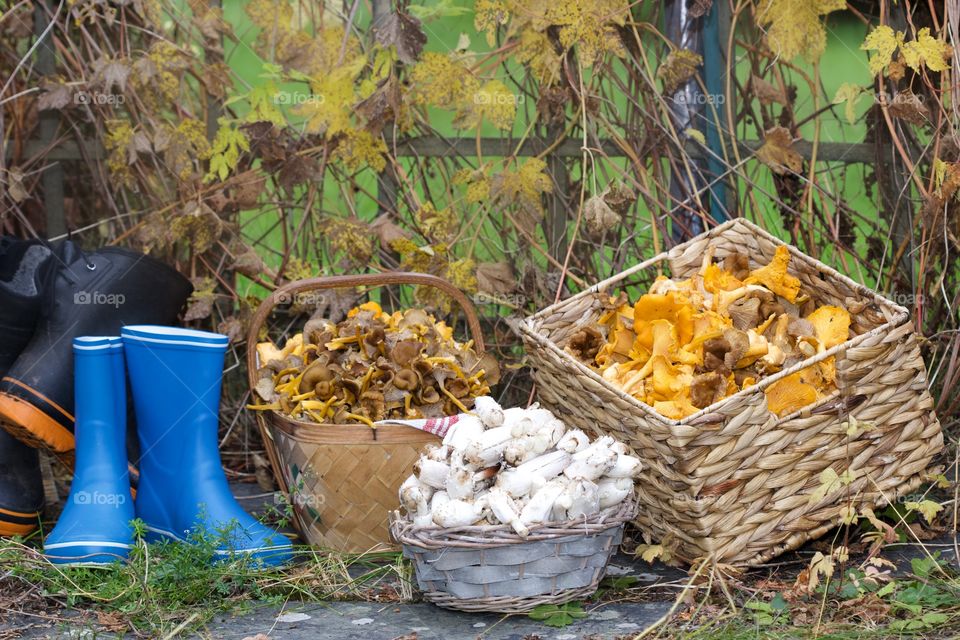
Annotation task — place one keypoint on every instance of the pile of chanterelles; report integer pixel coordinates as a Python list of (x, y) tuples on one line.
[(690, 343), (372, 366)]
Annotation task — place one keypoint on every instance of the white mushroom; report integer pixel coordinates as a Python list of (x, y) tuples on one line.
[(465, 430), (489, 411), (460, 483), (439, 499), (518, 483), (580, 499), (506, 511), (626, 466), (431, 472), (614, 491), (459, 513), (573, 441), (592, 462), (487, 449), (548, 465), (437, 452), (540, 506), (412, 491)]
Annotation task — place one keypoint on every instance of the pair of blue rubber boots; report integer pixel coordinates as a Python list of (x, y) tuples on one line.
[(175, 376)]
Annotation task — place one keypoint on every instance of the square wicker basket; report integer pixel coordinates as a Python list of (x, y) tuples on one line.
[(734, 481)]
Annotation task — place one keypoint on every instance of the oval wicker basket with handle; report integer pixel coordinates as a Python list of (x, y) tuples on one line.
[(342, 479), (734, 481), (491, 568)]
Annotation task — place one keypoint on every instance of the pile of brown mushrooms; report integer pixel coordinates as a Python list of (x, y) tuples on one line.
[(372, 366)]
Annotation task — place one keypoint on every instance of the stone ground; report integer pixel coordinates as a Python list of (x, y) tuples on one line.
[(387, 621)]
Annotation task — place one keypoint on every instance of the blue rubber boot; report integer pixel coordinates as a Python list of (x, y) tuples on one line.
[(176, 375), (94, 527)]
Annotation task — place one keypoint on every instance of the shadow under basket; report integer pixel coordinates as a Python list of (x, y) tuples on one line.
[(491, 568), (735, 481), (342, 480)]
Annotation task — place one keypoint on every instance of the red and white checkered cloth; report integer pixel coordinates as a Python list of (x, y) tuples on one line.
[(437, 426)]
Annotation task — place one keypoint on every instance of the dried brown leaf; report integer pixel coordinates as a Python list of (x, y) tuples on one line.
[(908, 106), (388, 231), (777, 152), (495, 277), (598, 215), (767, 93), (403, 31), (14, 183), (108, 73), (200, 304), (56, 95)]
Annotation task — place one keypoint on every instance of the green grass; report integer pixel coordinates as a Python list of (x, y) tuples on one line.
[(170, 589)]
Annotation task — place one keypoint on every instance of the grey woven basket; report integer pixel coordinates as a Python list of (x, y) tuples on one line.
[(491, 568)]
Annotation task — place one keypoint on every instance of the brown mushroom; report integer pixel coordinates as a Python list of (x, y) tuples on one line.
[(800, 328), (707, 388), (372, 404), (457, 387), (429, 395), (313, 375), (491, 368), (405, 352), (714, 351), (770, 308), (737, 264), (373, 341), (406, 379), (745, 313), (325, 389), (739, 343), (265, 389)]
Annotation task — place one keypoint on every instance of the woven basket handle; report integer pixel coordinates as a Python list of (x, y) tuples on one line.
[(287, 291)]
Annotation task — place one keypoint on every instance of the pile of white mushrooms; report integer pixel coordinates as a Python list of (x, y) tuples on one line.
[(518, 467)]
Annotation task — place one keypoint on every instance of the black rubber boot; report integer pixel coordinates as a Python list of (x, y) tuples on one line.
[(89, 294), (23, 266)]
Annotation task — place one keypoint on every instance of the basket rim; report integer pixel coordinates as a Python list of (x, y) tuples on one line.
[(528, 327), (471, 537), (822, 267), (362, 434)]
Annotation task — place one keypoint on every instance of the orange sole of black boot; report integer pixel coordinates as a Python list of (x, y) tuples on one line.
[(15, 523), (32, 425)]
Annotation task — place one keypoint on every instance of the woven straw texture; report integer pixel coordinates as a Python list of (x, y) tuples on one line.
[(734, 481), (491, 568), (342, 481)]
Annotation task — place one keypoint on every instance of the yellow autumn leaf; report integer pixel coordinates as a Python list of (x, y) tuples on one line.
[(939, 172), (856, 427), (794, 27), (695, 134), (650, 552), (926, 51), (884, 41), (820, 565), (940, 480), (829, 480), (927, 508), (849, 94)]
